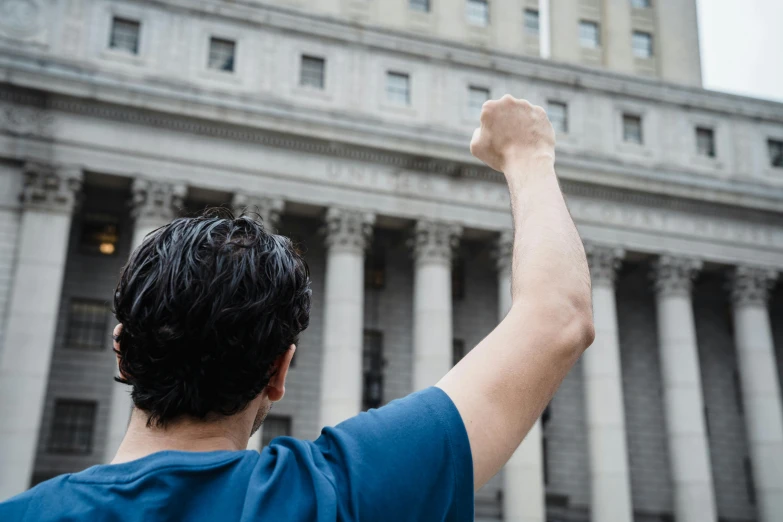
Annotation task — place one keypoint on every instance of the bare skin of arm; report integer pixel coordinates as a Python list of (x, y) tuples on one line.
[(501, 387)]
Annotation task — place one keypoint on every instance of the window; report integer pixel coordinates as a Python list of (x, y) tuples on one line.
[(531, 21), (420, 5), (275, 426), (87, 325), (372, 370), (221, 54), (640, 4), (398, 88), (642, 44), (632, 129), (705, 142), (477, 12), (775, 152), (375, 268), (312, 72), (476, 98), (558, 116), (72, 427), (588, 34), (124, 35), (99, 235), (457, 350)]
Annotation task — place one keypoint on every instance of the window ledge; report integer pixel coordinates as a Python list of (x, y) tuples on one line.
[(123, 57)]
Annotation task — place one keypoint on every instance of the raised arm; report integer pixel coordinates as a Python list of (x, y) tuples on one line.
[(501, 387)]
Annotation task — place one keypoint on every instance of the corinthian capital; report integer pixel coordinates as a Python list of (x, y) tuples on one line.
[(156, 202), (268, 207), (49, 188), (674, 275), (348, 229), (435, 242), (750, 285), (504, 251), (603, 261)]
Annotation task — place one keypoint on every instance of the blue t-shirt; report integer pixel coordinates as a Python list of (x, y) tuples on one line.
[(407, 461)]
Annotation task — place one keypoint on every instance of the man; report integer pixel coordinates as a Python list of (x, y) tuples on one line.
[(210, 309)]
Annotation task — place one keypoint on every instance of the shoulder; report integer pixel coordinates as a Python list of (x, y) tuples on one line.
[(16, 508)]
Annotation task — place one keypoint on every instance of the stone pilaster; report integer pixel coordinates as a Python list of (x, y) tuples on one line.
[(49, 195), (608, 454), (154, 204), (434, 244), (267, 207), (523, 474), (348, 233), (686, 429), (760, 385)]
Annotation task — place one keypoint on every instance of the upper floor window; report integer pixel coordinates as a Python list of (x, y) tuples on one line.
[(640, 4), (372, 370), (221, 54), (531, 21), (775, 152), (125, 35), (312, 72), (275, 426), (705, 142), (558, 116), (420, 5), (477, 12), (588, 34), (398, 88), (72, 427), (632, 129), (476, 98), (642, 44), (87, 325)]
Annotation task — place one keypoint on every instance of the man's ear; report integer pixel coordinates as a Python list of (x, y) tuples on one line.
[(116, 337), (276, 387)]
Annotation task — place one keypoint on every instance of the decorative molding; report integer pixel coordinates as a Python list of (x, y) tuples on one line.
[(348, 229), (21, 18), (675, 275), (504, 251), (155, 203), (267, 207), (750, 285), (52, 189), (434, 242), (23, 120), (603, 261)]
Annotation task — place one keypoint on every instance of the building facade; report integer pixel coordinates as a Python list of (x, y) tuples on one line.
[(345, 124)]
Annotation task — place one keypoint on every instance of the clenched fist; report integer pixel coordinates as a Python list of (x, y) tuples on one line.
[(512, 130)]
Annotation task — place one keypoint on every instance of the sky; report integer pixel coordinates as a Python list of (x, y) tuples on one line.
[(742, 46)]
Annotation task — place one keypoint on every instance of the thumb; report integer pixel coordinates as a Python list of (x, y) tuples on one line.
[(474, 141)]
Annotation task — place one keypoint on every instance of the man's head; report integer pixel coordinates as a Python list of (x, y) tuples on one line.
[(210, 309)]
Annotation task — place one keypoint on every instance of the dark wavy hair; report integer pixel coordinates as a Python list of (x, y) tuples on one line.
[(207, 304)]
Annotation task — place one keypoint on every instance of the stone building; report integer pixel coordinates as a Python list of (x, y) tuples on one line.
[(345, 123)]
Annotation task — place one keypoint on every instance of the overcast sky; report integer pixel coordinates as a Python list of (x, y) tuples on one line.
[(742, 46)]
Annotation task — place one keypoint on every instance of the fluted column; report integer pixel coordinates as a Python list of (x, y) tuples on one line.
[(49, 196), (523, 474), (267, 207), (347, 235), (760, 386), (154, 204), (686, 430), (432, 318), (610, 485)]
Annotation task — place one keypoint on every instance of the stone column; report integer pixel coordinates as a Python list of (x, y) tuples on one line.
[(760, 386), (689, 451), (267, 207), (347, 235), (523, 474), (610, 484), (154, 204), (49, 196), (432, 317)]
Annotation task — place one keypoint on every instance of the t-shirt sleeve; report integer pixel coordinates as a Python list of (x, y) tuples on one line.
[(409, 460)]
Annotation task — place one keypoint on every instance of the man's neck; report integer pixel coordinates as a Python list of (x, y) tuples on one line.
[(229, 433)]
